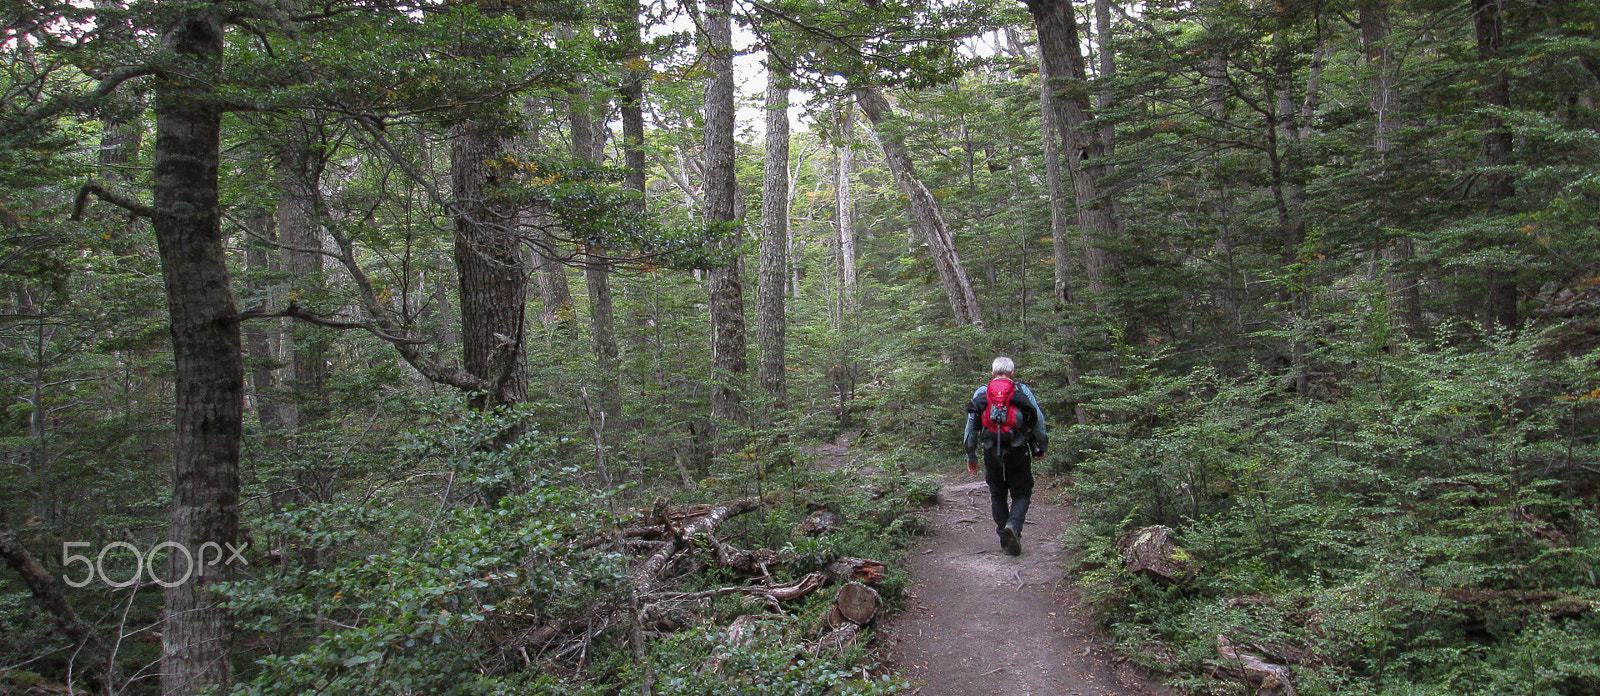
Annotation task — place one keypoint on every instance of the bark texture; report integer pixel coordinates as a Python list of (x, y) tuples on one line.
[(929, 220), (728, 345), (770, 299), (299, 168), (493, 281), (845, 206), (206, 347), (1061, 65), (555, 292)]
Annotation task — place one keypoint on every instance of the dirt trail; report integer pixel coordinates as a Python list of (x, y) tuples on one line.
[(984, 623)]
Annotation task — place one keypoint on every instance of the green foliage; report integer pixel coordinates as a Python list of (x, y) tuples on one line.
[(1395, 537), (764, 664)]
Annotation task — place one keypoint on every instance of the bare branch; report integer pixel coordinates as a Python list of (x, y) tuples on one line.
[(294, 311), (128, 203)]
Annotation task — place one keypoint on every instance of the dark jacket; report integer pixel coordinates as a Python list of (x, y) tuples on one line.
[(1022, 398)]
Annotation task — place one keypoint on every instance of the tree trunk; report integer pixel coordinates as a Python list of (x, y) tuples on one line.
[(596, 271), (929, 221), (1062, 67), (632, 105), (1058, 215), (1061, 297), (555, 292), (299, 176), (844, 208), (493, 280), (728, 360), (631, 108), (1488, 18), (259, 339), (770, 319), (1404, 297), (1108, 71), (1289, 197), (123, 135), (209, 371)]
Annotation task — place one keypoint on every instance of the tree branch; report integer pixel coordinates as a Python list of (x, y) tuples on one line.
[(47, 591), (294, 311), (128, 203), (56, 106)]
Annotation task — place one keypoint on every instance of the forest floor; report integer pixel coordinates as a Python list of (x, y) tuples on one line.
[(981, 622)]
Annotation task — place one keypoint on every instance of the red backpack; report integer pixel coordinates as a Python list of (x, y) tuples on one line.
[(1000, 417)]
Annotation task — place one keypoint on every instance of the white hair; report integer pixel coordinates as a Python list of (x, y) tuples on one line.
[(1003, 365)]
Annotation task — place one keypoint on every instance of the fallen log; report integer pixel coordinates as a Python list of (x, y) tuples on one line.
[(838, 639), (855, 606), (1252, 669), (745, 631), (783, 593), (680, 526), (864, 570), (48, 592), (755, 562)]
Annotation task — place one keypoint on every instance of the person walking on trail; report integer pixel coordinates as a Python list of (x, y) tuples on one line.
[(1004, 419)]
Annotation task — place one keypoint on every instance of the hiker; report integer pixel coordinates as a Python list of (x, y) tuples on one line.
[(1005, 420)]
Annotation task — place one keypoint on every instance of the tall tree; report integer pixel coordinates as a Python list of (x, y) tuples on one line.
[(261, 338), (728, 358), (1383, 98), (489, 264), (209, 372), (120, 116), (929, 220), (302, 157), (1488, 21), (771, 324), (596, 266), (1059, 226), (845, 206), (1062, 67)]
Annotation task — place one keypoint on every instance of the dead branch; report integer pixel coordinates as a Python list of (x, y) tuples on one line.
[(783, 593), (46, 590), (99, 190), (295, 311)]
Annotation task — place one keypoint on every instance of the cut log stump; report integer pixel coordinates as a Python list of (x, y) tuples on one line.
[(858, 603), (1150, 552)]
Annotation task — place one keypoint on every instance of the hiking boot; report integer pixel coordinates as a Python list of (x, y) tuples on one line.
[(1011, 541)]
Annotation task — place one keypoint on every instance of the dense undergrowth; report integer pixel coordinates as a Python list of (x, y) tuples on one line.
[(1426, 523), (385, 590)]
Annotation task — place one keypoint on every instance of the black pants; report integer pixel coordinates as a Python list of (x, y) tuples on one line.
[(1009, 473)]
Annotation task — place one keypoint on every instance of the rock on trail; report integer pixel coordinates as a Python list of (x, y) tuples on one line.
[(984, 623)]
